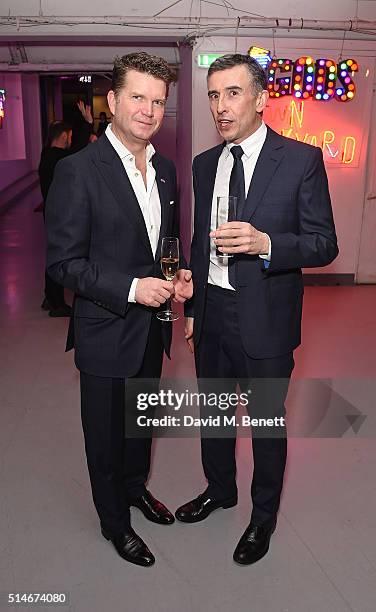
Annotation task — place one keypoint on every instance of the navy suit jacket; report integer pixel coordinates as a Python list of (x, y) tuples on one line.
[(289, 199), (97, 244)]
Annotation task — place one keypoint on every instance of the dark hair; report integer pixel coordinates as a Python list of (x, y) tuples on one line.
[(56, 129), (142, 62), (256, 72), (103, 115)]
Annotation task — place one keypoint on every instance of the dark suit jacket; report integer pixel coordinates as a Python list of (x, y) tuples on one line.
[(50, 156), (97, 244), (289, 199)]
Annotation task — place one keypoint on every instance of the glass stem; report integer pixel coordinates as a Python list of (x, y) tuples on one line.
[(168, 303)]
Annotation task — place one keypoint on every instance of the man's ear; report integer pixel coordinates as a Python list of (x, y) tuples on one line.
[(262, 101), (111, 101)]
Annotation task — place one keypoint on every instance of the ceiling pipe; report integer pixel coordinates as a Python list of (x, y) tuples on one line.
[(240, 22)]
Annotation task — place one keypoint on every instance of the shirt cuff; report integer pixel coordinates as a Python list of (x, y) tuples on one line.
[(132, 291), (269, 255)]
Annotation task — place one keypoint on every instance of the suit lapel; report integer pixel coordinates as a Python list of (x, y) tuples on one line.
[(164, 190), (116, 178), (206, 187), (268, 161)]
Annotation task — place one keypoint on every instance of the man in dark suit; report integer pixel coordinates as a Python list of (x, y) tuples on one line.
[(245, 316), (107, 211)]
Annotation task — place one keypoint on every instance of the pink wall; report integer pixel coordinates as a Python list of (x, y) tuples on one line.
[(20, 137), (184, 150)]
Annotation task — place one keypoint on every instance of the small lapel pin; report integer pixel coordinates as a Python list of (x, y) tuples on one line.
[(172, 202), (162, 180)]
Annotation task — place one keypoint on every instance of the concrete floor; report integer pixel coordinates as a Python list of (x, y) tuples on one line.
[(323, 554)]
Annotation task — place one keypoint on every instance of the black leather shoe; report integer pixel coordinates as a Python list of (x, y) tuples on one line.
[(254, 543), (199, 508), (152, 509), (61, 311), (131, 548)]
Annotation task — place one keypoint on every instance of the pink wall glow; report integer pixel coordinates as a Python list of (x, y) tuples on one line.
[(20, 137)]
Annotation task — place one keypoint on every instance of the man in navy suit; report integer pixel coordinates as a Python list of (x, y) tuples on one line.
[(107, 211), (245, 316)]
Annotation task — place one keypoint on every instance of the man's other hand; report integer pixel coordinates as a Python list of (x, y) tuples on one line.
[(240, 237), (183, 285), (152, 291)]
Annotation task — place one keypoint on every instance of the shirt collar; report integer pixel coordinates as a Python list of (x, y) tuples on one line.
[(122, 150), (250, 144)]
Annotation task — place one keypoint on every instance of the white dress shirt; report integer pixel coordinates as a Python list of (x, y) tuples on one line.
[(147, 196), (218, 268)]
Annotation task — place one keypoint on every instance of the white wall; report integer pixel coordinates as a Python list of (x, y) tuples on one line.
[(320, 9), (347, 184)]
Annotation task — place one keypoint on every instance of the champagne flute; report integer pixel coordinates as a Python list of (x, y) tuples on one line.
[(226, 211), (169, 265)]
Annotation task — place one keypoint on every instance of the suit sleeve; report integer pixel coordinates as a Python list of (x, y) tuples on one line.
[(68, 221), (315, 242)]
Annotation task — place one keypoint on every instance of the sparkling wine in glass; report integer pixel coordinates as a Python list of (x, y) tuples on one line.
[(169, 265)]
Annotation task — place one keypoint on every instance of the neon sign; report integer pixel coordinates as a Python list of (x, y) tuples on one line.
[(338, 146), (322, 79), (2, 109), (261, 55)]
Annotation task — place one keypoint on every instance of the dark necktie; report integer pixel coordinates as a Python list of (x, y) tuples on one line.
[(237, 180), (237, 189)]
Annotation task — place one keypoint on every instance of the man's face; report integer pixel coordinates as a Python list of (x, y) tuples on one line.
[(138, 109), (64, 141), (234, 104)]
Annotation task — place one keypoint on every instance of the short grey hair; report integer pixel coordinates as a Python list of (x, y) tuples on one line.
[(257, 73)]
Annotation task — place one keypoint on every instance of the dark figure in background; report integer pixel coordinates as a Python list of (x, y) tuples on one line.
[(245, 317), (103, 123), (83, 124), (107, 211), (57, 147)]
